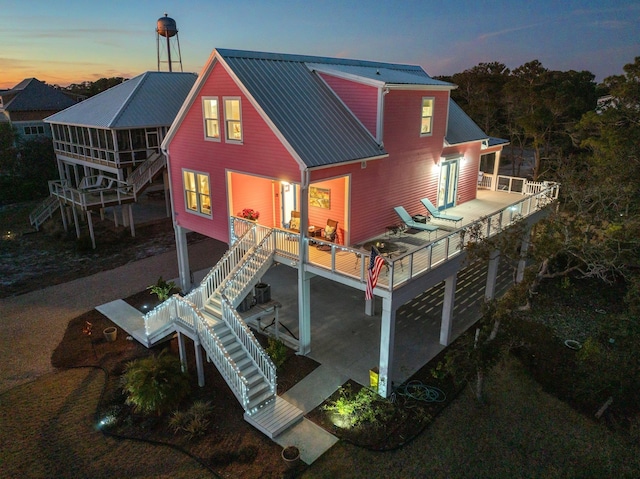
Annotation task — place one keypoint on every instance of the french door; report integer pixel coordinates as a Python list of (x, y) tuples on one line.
[(448, 185)]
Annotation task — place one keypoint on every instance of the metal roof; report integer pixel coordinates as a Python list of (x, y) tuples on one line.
[(150, 99), (303, 108), (33, 95), (396, 75), (461, 128)]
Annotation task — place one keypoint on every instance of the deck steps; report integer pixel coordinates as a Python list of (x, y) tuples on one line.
[(274, 417)]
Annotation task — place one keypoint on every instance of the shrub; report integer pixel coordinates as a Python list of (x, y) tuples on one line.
[(194, 421), (155, 384), (162, 288), (354, 409), (277, 351)]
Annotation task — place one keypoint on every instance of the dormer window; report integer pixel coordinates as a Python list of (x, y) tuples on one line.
[(233, 120), (426, 124)]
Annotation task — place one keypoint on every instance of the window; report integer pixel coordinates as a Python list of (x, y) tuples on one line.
[(426, 124), (211, 118), (196, 192), (233, 121), (34, 130)]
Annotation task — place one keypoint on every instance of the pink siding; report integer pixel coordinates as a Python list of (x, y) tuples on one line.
[(261, 154), (361, 99), (336, 211)]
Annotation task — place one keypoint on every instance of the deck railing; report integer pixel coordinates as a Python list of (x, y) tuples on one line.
[(93, 195), (405, 267)]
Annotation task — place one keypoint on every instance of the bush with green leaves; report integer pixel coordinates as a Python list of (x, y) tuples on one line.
[(155, 384), (277, 351), (162, 288), (194, 421), (356, 408)]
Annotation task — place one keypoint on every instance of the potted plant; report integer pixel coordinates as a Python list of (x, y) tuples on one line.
[(291, 455), (249, 214), (110, 334)]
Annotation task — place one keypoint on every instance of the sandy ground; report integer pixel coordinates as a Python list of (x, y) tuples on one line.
[(34, 323)]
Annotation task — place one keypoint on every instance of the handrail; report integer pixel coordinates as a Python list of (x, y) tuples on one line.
[(146, 171), (43, 211), (441, 250)]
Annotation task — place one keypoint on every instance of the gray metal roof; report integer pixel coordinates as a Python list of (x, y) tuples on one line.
[(148, 100), (396, 75), (33, 95), (303, 108), (461, 128)]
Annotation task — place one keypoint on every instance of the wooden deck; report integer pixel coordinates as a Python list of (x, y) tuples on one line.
[(419, 251)]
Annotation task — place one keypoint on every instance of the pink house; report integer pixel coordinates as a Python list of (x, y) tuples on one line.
[(310, 142)]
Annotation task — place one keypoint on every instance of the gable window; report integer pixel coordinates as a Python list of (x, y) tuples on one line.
[(233, 120), (426, 124), (196, 192), (211, 118)]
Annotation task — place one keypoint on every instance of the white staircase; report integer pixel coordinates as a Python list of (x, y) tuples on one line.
[(210, 313), (43, 211)]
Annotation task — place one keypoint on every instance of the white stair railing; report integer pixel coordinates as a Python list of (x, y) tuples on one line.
[(144, 173), (43, 211), (236, 271)]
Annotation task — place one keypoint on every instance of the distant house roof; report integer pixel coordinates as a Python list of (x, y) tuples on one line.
[(461, 128), (148, 100), (33, 95)]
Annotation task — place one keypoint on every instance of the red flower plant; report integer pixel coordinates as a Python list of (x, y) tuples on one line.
[(249, 214)]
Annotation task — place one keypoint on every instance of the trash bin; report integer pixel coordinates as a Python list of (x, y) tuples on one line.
[(263, 293), (373, 378), (246, 304)]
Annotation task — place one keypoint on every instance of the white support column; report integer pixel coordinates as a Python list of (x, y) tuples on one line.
[(370, 306), (387, 341), (63, 213), (75, 220), (199, 364), (522, 264), (91, 233), (183, 258), (447, 309), (182, 352), (115, 216), (131, 222), (304, 311), (167, 191), (125, 217), (492, 275)]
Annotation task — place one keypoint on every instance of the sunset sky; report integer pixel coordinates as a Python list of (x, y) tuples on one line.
[(70, 41)]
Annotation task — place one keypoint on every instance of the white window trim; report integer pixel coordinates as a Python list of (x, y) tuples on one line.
[(205, 118), (433, 109), (226, 129), (199, 211)]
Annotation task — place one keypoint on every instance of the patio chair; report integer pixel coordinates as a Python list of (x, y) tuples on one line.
[(433, 211), (294, 223), (408, 220), (330, 233)]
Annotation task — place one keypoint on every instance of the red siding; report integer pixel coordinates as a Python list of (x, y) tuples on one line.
[(361, 99), (260, 154)]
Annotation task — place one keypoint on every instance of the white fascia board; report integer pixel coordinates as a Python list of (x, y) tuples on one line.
[(400, 86), (345, 76)]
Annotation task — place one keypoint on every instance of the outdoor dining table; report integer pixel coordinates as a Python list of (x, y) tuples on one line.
[(388, 249)]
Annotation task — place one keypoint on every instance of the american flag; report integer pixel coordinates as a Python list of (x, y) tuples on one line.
[(375, 265)]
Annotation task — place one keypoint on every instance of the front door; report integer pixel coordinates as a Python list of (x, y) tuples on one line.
[(448, 184)]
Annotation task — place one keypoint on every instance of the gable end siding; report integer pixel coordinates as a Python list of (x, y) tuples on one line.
[(361, 99), (261, 153)]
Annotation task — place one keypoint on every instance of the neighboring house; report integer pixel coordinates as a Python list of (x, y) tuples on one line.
[(28, 103), (108, 147), (308, 142)]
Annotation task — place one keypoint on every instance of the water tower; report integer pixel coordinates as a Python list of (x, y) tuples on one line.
[(167, 29)]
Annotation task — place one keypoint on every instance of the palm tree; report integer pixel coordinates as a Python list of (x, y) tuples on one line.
[(155, 383)]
